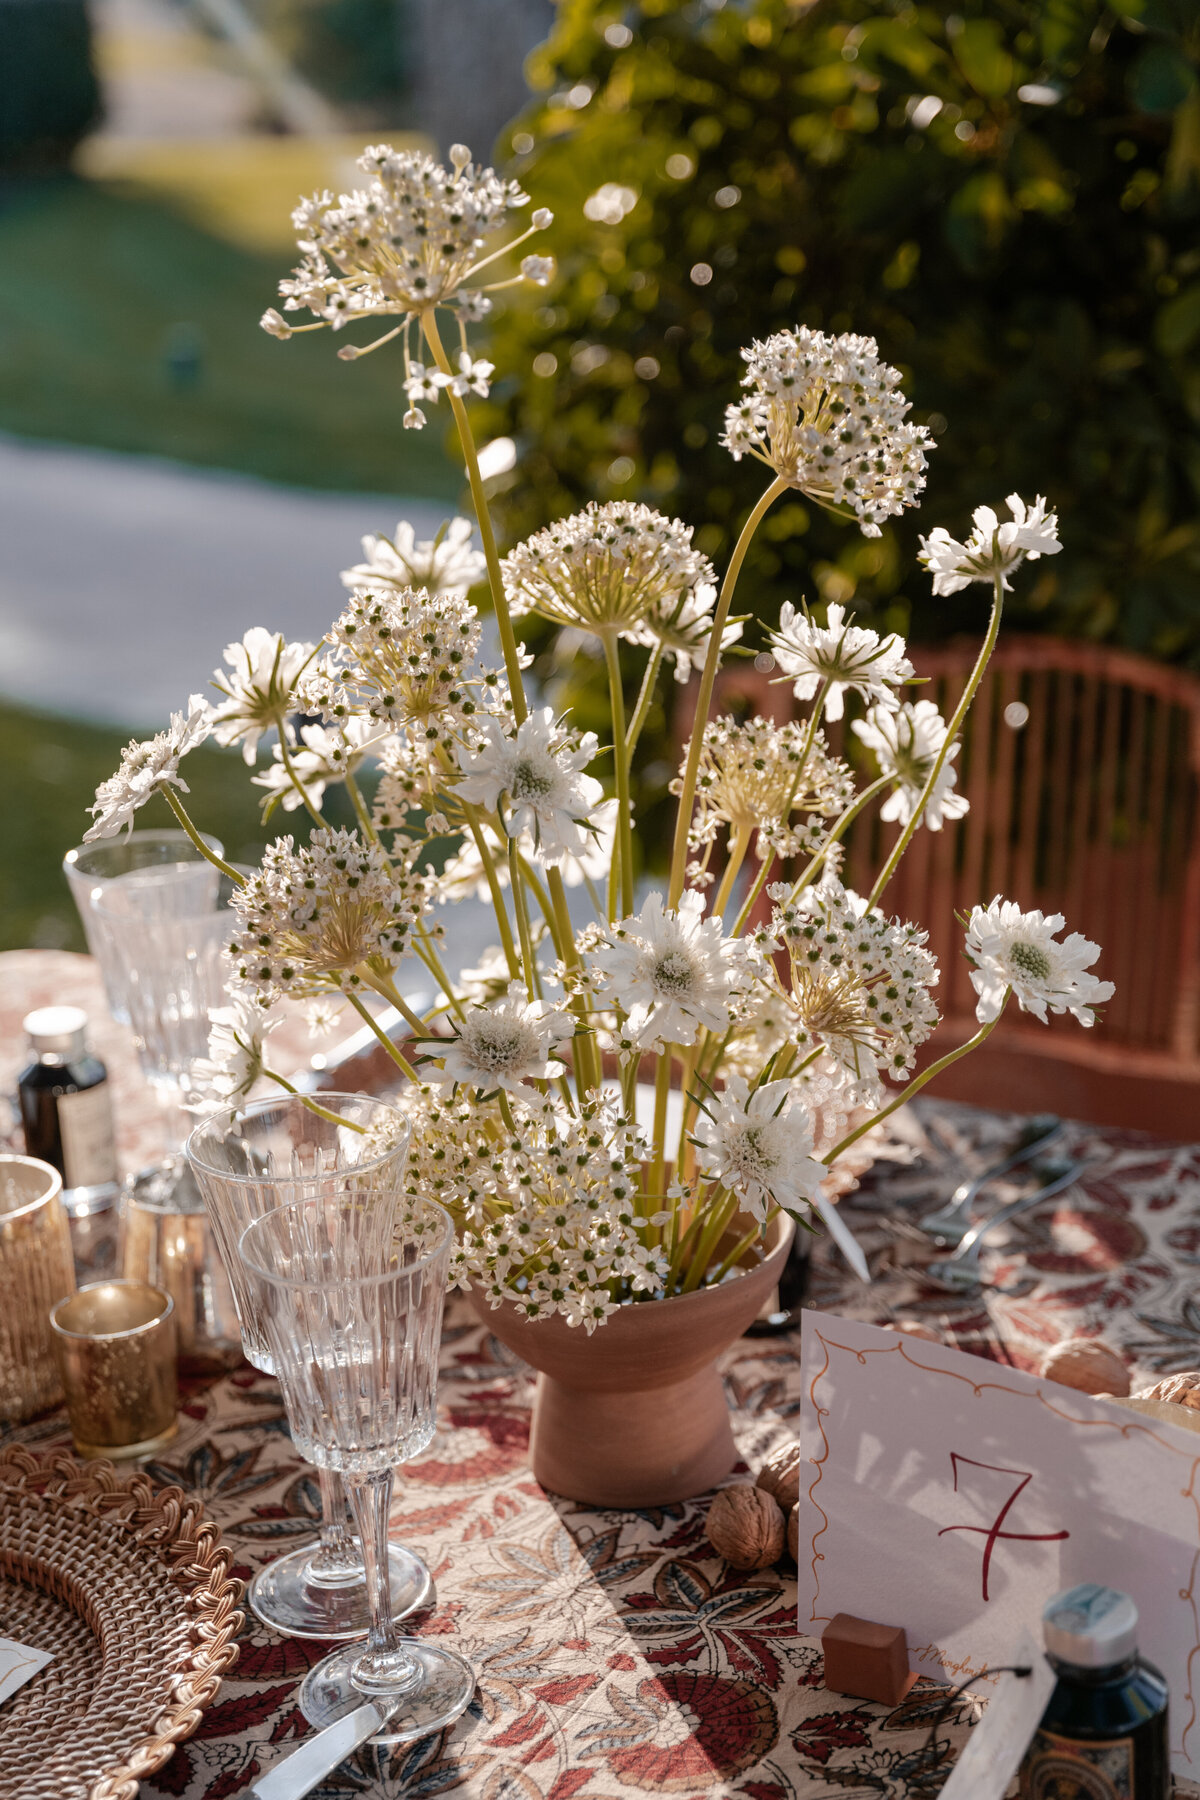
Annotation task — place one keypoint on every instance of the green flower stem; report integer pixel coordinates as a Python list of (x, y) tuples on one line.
[(313, 1106), (360, 810), (681, 1247), (587, 1055), (641, 711), (723, 1207), (532, 984), (952, 731), (393, 1050), (496, 891), (208, 855), (913, 1088), (687, 798), (426, 949), (768, 861), (314, 812), (733, 864), (387, 990), (623, 860), (466, 439), (743, 1246), (529, 877), (843, 825), (662, 1089)]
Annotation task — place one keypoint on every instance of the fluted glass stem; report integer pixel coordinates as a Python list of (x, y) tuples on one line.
[(336, 1561), (385, 1664)]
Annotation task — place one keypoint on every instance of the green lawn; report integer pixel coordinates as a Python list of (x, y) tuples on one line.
[(99, 282), (51, 768)]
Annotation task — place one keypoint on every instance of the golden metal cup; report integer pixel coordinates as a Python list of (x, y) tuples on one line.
[(115, 1345), (167, 1241), (36, 1269)]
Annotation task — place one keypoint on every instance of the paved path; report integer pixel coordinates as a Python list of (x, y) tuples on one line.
[(122, 578)]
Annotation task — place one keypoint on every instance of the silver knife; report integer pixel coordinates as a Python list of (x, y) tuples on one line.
[(319, 1756)]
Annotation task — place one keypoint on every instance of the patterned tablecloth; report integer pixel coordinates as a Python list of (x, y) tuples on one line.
[(617, 1655)]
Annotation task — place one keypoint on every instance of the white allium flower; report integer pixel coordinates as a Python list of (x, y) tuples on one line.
[(859, 983), (993, 548), (236, 1056), (826, 415), (323, 755), (671, 972), (311, 917), (275, 325), (407, 657), (1018, 950), (258, 688), (445, 564), (473, 376), (503, 1045), (538, 269), (759, 1146), (607, 568), (840, 652), (539, 769), (907, 742), (753, 775), (683, 626), (147, 767)]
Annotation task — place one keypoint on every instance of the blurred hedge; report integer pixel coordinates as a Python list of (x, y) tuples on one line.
[(49, 96), (352, 51), (1005, 193)]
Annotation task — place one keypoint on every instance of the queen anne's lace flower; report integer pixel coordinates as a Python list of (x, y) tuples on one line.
[(323, 755), (445, 564), (759, 1145), (670, 972), (859, 983), (148, 767), (236, 1057), (312, 917), (504, 1045), (611, 567), (538, 769), (993, 549), (846, 655), (754, 775), (258, 688), (907, 742), (1018, 950), (826, 415)]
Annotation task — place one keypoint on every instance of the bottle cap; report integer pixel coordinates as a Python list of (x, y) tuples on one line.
[(1090, 1626), (60, 1030)]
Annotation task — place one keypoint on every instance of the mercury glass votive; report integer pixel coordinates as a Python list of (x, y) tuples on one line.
[(115, 1346), (36, 1269)]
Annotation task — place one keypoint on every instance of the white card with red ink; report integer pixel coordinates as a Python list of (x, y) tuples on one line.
[(953, 1496)]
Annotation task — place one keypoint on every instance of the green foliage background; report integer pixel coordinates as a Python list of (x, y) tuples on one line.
[(1034, 269)]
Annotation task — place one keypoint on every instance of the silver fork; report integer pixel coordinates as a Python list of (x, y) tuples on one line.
[(950, 1224), (961, 1271)]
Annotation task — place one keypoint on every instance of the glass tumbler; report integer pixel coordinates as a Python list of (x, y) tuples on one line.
[(247, 1161), (131, 859), (351, 1300)]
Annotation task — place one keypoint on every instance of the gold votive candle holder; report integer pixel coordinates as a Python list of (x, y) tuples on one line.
[(36, 1269), (115, 1345), (167, 1240)]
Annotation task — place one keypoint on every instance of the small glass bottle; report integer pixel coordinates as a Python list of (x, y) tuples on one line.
[(66, 1109), (1103, 1735)]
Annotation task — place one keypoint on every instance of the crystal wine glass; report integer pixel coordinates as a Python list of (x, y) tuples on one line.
[(248, 1160), (350, 1294)]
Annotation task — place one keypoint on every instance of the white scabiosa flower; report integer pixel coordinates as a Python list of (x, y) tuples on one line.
[(538, 770), (846, 655), (258, 685), (464, 875), (609, 568), (147, 767), (445, 564), (504, 1045), (1019, 950), (682, 627), (759, 1146), (236, 1057), (670, 972), (907, 742), (993, 548), (829, 417)]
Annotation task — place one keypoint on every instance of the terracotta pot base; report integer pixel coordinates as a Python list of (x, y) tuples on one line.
[(635, 1415)]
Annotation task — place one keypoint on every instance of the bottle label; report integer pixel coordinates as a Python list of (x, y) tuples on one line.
[(85, 1124), (1058, 1768)]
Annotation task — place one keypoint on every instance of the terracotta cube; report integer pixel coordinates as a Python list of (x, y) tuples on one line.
[(866, 1660)]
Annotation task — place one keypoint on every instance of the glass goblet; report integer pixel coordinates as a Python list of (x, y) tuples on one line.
[(351, 1294), (248, 1160)]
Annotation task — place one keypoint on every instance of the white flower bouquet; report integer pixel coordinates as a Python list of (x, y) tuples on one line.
[(523, 1078)]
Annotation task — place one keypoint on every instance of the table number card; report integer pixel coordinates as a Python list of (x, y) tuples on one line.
[(18, 1664), (953, 1496)]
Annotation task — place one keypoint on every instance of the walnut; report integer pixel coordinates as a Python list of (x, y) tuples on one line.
[(914, 1328), (1177, 1390), (793, 1533), (1086, 1364), (780, 1474), (746, 1526)]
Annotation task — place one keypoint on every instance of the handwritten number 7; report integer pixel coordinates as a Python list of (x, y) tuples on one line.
[(992, 1533)]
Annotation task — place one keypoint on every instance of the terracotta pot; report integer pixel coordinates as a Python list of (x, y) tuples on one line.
[(635, 1415)]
